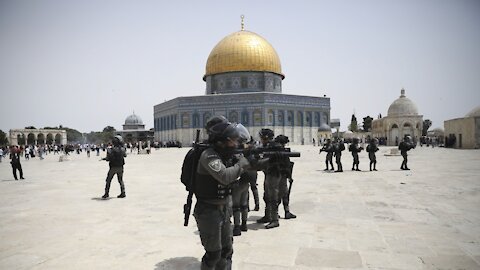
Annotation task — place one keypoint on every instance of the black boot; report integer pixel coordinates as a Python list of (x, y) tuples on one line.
[(256, 199), (272, 224), (289, 215), (105, 196), (122, 195), (236, 230), (266, 218), (243, 227)]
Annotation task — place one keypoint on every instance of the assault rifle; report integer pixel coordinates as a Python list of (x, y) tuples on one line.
[(264, 152)]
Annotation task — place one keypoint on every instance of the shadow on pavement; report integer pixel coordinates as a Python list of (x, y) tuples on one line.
[(184, 263), (101, 199)]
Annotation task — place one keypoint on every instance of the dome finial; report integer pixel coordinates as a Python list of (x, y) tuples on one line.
[(242, 23), (402, 92)]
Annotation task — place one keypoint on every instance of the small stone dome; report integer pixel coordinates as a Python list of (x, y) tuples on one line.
[(402, 106), (474, 113), (133, 120), (324, 127)]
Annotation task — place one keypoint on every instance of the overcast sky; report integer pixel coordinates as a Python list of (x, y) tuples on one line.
[(88, 64)]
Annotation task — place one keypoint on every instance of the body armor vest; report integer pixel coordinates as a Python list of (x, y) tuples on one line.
[(207, 187)]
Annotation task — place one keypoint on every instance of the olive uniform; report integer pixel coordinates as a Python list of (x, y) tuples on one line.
[(116, 159), (371, 149), (355, 149), (213, 208), (339, 146), (404, 147)]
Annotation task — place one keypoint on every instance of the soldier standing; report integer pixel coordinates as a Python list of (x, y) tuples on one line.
[(328, 147), (116, 159), (339, 147), (286, 171), (355, 149), (272, 182), (213, 178), (404, 147), (371, 149)]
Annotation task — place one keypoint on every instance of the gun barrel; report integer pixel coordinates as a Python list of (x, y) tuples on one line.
[(287, 154)]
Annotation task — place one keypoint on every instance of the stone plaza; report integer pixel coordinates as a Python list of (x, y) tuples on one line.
[(426, 218)]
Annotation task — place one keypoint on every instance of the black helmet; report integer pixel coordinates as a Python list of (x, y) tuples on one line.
[(355, 140), (282, 139), (215, 120), (117, 140), (266, 133), (223, 131)]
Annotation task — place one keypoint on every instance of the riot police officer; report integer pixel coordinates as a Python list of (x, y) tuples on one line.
[(371, 149), (404, 147), (339, 146), (116, 159), (215, 173), (286, 171), (355, 149), (272, 182), (328, 147)]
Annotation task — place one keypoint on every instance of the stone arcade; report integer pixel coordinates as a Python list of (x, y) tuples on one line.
[(244, 83)]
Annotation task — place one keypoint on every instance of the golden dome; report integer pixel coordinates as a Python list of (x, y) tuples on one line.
[(243, 51)]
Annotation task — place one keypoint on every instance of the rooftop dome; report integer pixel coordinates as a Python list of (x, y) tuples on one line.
[(243, 51), (324, 127), (402, 106), (474, 113), (133, 120)]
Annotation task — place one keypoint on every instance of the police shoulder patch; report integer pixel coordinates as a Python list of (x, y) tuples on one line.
[(215, 165)]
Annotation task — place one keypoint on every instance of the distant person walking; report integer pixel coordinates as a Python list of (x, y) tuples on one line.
[(15, 161), (116, 158)]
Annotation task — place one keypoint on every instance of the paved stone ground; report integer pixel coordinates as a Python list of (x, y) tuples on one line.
[(427, 218)]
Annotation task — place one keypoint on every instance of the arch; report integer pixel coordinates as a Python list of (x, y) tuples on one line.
[(308, 119), (233, 117), (299, 118), (40, 138), (31, 138), (407, 124), (185, 120), (58, 138), (281, 118), (196, 120), (290, 120), (21, 139), (49, 138), (316, 120), (206, 117), (270, 117), (257, 117), (245, 118), (394, 126)]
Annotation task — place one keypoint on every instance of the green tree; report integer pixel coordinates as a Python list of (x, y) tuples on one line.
[(353, 124), (30, 127), (367, 123), (427, 123), (108, 133), (73, 135), (3, 138)]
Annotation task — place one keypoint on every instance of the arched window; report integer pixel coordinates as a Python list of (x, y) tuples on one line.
[(270, 118), (49, 138), (257, 117), (30, 138), (281, 118), (196, 120), (290, 120), (317, 119), (185, 120), (394, 126), (309, 119), (407, 125), (58, 139), (233, 117), (300, 118), (41, 138), (245, 118)]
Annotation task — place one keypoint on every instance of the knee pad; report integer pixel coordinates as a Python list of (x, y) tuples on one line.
[(236, 209)]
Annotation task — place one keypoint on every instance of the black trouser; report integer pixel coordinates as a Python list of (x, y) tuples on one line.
[(240, 202), (283, 195), (119, 172), (404, 162), (15, 167), (329, 160), (356, 161), (338, 160), (254, 188), (213, 222), (373, 161)]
